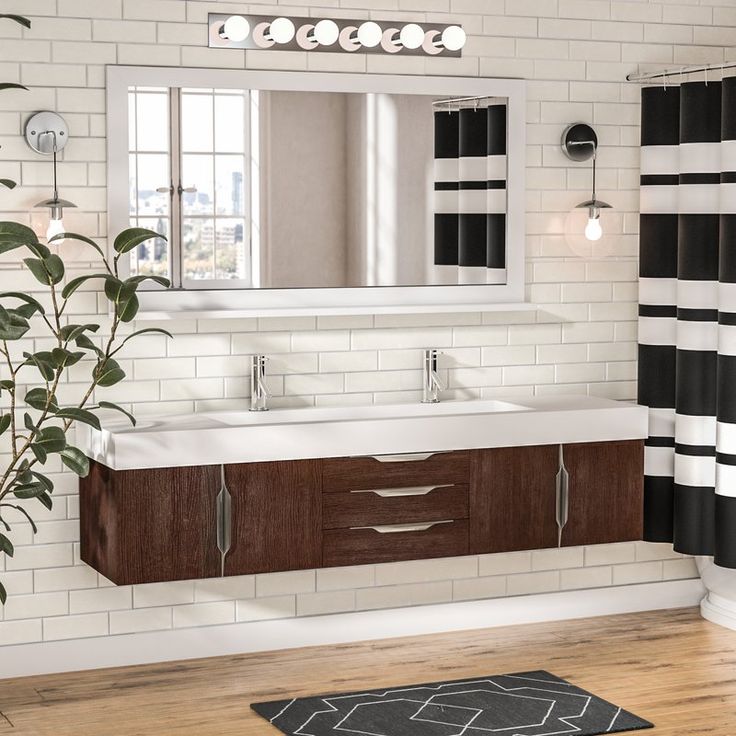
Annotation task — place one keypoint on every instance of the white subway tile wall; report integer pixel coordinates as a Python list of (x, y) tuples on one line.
[(575, 54)]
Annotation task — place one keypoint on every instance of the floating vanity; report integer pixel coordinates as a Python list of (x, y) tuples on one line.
[(236, 493)]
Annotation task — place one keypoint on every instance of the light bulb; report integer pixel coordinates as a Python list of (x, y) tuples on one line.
[(593, 230), (326, 32), (236, 28), (282, 30), (411, 36), (453, 38), (56, 227), (369, 34)]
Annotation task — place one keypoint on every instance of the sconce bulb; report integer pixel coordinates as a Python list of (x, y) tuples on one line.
[(326, 32), (369, 34), (454, 38), (593, 230), (56, 227), (411, 36), (236, 28), (282, 30)]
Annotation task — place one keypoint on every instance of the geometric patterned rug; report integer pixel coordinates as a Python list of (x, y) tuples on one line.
[(521, 704)]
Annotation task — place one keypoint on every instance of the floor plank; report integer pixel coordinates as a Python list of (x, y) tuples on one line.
[(670, 667)]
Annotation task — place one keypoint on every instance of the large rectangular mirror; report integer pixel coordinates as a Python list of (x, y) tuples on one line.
[(309, 192)]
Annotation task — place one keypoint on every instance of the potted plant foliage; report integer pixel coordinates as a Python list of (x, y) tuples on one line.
[(34, 424)]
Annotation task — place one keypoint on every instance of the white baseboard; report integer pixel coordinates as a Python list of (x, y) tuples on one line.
[(211, 641), (719, 610)]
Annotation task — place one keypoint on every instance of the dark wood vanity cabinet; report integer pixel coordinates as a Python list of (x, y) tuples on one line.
[(148, 526), (141, 526), (513, 499), (276, 516), (606, 492)]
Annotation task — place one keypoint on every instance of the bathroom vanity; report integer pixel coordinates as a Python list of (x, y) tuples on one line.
[(238, 493)]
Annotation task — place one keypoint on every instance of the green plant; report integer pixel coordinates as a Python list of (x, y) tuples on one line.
[(34, 422)]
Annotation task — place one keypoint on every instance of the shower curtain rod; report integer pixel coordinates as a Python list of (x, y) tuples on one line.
[(680, 71)]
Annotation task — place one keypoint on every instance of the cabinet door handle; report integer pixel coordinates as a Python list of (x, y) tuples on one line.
[(401, 528), (562, 497), (409, 457), (224, 520), (404, 492)]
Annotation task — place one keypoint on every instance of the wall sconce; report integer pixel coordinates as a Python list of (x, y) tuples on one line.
[(334, 35), (47, 133), (580, 143)]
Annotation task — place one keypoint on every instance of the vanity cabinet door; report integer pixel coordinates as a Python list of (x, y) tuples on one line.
[(148, 526), (276, 516), (606, 491), (512, 499)]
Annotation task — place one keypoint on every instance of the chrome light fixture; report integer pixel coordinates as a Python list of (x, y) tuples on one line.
[(335, 35), (47, 133), (580, 143)]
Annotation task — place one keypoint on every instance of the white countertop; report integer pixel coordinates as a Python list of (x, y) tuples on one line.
[(296, 434)]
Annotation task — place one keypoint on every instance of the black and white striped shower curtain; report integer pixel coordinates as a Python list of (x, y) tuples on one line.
[(470, 194), (687, 316)]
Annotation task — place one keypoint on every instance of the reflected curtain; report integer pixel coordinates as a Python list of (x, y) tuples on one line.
[(470, 192), (687, 316)]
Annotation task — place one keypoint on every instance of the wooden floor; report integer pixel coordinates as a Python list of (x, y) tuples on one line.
[(670, 667)]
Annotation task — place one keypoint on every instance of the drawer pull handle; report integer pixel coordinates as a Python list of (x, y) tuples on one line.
[(402, 528), (562, 482), (409, 457), (404, 492)]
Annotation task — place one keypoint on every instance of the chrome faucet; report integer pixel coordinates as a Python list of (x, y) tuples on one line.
[(432, 384), (258, 391)]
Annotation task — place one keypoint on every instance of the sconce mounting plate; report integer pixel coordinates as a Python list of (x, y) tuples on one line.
[(46, 131), (579, 142)]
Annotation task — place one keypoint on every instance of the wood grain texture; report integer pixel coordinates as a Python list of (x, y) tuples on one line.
[(343, 510), (670, 667), (277, 516), (606, 492), (146, 526), (365, 546), (359, 473), (512, 499)]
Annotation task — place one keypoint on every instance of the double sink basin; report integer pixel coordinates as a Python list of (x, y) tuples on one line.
[(379, 430)]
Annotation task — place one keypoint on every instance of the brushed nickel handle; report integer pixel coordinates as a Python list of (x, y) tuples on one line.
[(562, 482), (409, 457), (404, 492), (224, 520), (402, 528)]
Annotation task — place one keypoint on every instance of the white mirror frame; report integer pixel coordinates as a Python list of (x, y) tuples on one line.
[(171, 304)]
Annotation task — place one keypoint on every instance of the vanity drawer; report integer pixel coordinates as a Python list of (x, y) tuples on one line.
[(394, 543), (394, 505), (395, 471)]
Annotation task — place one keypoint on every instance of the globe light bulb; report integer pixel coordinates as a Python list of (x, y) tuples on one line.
[(454, 38), (236, 28), (282, 30), (411, 36), (593, 230), (369, 34), (56, 227), (326, 32)]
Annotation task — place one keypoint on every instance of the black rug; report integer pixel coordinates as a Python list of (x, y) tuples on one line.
[(521, 704)]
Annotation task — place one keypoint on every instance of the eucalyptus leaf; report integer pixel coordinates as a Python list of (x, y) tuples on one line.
[(75, 283), (145, 331), (39, 453), (76, 461), (54, 267), (110, 405), (6, 545), (41, 399), (42, 360), (45, 499), (108, 373), (28, 490), (36, 267), (12, 325), (72, 332), (3, 594), (128, 309), (48, 484), (24, 298), (63, 358), (24, 512), (4, 422), (17, 18), (11, 85), (84, 342), (8, 183), (29, 424), (132, 238), (7, 385), (17, 233), (79, 415), (50, 439), (160, 280)]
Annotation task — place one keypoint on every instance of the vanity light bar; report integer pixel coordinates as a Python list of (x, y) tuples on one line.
[(334, 35)]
